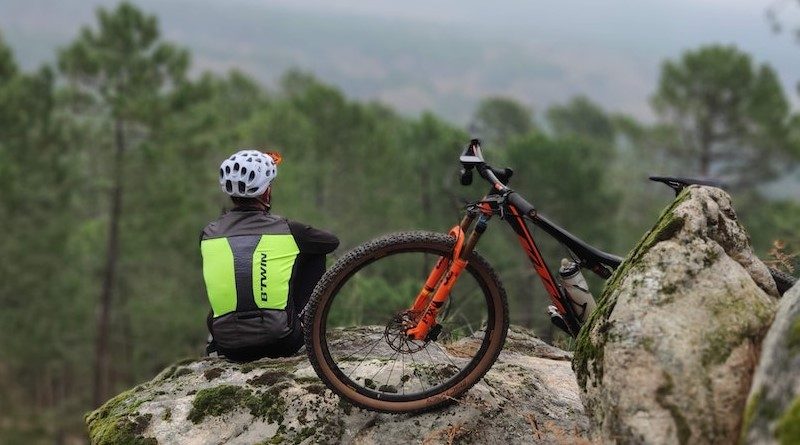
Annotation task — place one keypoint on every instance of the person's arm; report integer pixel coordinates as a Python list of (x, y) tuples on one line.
[(311, 240)]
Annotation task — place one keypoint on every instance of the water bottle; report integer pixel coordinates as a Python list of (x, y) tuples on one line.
[(577, 290)]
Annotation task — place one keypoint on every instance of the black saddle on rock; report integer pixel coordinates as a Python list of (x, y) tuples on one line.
[(679, 184)]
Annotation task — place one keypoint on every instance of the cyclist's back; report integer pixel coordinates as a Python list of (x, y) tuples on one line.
[(259, 268)]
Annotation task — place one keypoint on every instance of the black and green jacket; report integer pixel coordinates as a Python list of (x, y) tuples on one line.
[(250, 267)]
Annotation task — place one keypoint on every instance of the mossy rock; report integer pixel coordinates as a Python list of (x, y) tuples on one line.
[(676, 328), (224, 399), (118, 422), (588, 358)]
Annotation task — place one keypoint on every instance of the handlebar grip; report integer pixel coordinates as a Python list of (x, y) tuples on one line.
[(503, 175), (521, 204)]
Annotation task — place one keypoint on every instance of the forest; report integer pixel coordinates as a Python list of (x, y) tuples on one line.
[(108, 172)]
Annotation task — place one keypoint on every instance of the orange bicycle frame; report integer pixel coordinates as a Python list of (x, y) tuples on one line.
[(445, 274)]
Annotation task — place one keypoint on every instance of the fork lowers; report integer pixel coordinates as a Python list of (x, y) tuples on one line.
[(440, 281)]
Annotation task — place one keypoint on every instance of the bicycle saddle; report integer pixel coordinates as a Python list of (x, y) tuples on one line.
[(679, 184)]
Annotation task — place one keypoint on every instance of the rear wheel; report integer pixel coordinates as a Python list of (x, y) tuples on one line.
[(358, 314)]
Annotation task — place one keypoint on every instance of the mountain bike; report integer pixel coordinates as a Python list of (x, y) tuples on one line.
[(410, 321)]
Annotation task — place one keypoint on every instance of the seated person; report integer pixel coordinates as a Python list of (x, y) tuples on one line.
[(259, 268)]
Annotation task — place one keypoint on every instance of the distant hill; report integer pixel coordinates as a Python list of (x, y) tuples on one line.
[(445, 64)]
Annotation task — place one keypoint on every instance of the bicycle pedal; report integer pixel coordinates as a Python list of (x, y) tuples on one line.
[(557, 319)]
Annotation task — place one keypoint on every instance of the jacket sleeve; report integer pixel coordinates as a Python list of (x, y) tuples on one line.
[(311, 240)]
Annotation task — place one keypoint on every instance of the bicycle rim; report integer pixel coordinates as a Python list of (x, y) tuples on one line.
[(358, 346)]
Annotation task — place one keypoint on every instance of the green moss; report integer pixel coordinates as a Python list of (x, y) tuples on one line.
[(761, 411), (718, 347), (329, 429), (669, 289), (388, 388), (277, 439), (662, 398), (788, 428), (213, 373), (185, 361), (285, 364), (169, 372), (302, 380), (304, 434), (345, 406), (217, 401), (587, 352), (269, 405), (226, 398), (739, 320), (118, 422), (167, 416), (750, 413), (316, 388), (248, 367)]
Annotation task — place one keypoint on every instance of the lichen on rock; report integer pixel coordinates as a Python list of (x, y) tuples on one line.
[(530, 395), (665, 356), (773, 407)]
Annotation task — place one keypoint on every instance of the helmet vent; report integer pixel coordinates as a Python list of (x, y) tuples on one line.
[(252, 189), (221, 173), (228, 186), (252, 175), (228, 169), (241, 186), (236, 167)]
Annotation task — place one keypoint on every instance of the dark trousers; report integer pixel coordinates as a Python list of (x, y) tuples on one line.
[(308, 271)]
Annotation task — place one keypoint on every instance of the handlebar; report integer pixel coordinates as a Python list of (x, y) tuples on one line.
[(595, 260), (472, 158)]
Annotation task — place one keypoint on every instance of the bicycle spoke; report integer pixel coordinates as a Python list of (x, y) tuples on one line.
[(358, 350), (402, 373), (446, 355), (383, 366), (365, 357), (415, 373)]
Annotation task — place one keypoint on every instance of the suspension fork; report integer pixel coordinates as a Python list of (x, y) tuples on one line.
[(445, 274)]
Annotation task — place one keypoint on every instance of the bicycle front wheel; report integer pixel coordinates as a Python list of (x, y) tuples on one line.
[(355, 336)]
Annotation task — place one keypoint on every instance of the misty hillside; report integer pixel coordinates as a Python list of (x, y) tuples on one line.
[(442, 59)]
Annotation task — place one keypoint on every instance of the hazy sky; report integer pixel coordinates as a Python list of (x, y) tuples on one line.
[(540, 52), (642, 27)]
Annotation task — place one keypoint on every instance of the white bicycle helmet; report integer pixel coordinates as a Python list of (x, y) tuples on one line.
[(247, 173)]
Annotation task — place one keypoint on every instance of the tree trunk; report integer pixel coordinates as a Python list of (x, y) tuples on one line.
[(101, 357)]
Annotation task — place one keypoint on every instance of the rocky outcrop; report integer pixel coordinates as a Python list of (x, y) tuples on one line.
[(530, 395), (773, 409), (669, 354)]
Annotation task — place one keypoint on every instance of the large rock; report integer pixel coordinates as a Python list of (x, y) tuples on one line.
[(530, 395), (669, 354), (773, 409)]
